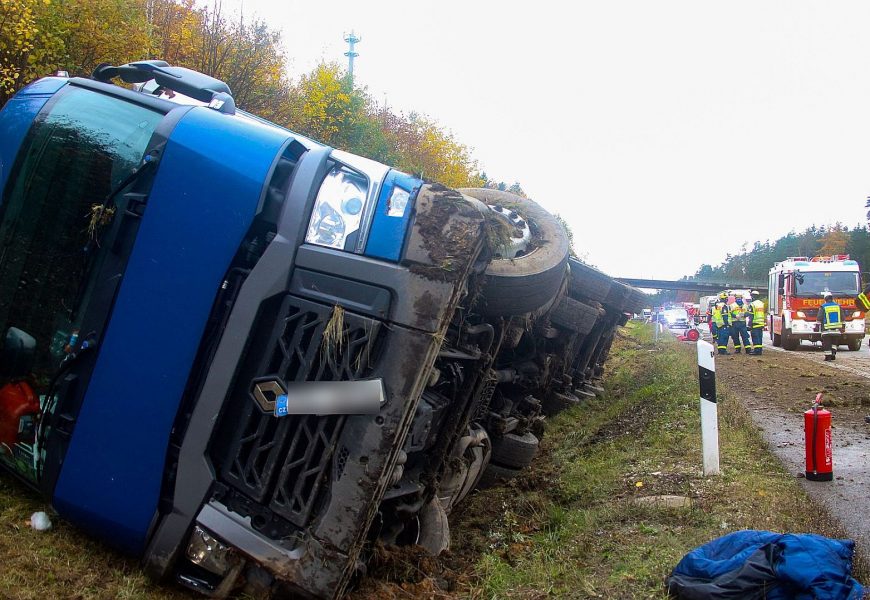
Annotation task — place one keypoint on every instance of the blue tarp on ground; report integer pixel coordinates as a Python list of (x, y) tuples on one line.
[(762, 564)]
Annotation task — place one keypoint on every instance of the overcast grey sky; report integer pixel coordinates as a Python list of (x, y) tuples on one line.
[(667, 133)]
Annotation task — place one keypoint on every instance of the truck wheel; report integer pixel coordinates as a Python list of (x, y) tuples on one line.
[(789, 342), (496, 475), (434, 535), (587, 282), (574, 315), (515, 451), (556, 402), (775, 338), (855, 344), (524, 282)]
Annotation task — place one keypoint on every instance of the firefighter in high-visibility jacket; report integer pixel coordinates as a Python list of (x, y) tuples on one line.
[(714, 332), (722, 319), (830, 320), (739, 333), (756, 331), (863, 300)]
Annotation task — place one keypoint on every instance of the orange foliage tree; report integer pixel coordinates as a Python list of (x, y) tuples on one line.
[(38, 37)]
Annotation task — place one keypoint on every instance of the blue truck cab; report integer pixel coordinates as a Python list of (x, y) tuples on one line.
[(244, 356), (167, 271)]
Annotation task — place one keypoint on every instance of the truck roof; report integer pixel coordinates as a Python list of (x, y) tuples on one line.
[(837, 262)]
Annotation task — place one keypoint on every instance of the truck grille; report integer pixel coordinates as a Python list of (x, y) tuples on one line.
[(284, 462)]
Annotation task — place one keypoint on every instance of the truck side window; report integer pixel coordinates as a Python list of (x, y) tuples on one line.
[(74, 155)]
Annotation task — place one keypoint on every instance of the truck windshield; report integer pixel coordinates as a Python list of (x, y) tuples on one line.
[(817, 282), (75, 154)]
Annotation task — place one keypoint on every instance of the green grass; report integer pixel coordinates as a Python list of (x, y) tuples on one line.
[(578, 533), (62, 562)]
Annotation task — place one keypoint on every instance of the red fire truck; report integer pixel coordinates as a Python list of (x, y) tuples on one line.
[(797, 287)]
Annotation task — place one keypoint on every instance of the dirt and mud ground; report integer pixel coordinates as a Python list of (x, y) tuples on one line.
[(778, 386)]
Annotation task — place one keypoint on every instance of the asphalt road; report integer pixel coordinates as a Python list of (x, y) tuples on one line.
[(847, 497), (857, 363), (853, 362)]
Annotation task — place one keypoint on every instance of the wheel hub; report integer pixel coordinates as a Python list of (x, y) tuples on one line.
[(521, 234)]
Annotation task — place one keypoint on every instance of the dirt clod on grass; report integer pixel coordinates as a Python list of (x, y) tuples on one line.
[(405, 572)]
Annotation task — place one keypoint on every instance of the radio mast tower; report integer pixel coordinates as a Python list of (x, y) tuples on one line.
[(351, 39)]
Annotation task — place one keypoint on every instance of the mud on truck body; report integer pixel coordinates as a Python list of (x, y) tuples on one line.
[(171, 275)]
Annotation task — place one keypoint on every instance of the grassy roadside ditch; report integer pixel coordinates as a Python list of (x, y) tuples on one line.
[(62, 562), (570, 528), (574, 526)]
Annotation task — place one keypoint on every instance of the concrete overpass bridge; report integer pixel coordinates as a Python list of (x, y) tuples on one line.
[(705, 287)]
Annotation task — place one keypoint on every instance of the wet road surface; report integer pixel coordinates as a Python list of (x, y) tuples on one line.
[(779, 385)]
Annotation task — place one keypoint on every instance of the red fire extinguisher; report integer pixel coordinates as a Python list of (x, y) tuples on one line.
[(817, 431)]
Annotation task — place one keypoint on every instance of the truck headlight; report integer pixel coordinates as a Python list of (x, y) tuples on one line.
[(338, 208), (801, 314), (207, 552)]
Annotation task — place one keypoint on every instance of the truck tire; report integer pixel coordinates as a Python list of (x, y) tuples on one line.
[(775, 338), (855, 344), (556, 402), (587, 282), (574, 315), (523, 284), (789, 342), (434, 535), (515, 451), (496, 475)]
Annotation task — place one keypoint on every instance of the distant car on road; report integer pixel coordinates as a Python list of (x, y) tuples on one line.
[(677, 318)]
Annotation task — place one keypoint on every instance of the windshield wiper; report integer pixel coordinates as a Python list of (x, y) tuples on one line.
[(102, 213)]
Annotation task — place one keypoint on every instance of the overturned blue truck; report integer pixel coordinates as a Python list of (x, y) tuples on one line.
[(174, 271)]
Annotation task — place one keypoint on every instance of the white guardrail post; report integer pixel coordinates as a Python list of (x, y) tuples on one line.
[(709, 411)]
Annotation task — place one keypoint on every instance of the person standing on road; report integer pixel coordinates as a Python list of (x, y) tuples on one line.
[(722, 318), (830, 320), (863, 299), (714, 331), (756, 308), (739, 333)]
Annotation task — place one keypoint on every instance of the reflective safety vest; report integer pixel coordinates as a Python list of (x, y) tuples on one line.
[(718, 317), (738, 313), (864, 301), (758, 316), (833, 318)]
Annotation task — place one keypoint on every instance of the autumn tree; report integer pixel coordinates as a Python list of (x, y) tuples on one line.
[(174, 27), (100, 31), (29, 47), (429, 151), (834, 241), (246, 54), (322, 106), (38, 37)]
